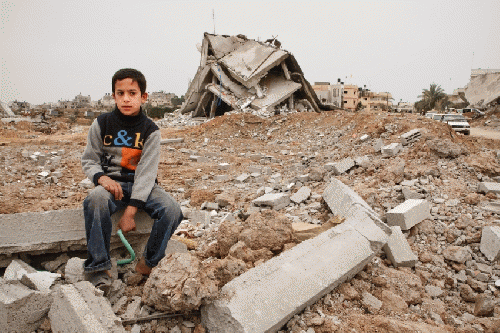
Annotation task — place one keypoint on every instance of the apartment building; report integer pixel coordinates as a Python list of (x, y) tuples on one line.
[(350, 97), (160, 98)]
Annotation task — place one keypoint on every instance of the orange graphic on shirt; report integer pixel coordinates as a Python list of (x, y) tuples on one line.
[(130, 158)]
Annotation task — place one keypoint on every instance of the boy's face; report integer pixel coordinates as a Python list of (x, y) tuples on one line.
[(128, 97)]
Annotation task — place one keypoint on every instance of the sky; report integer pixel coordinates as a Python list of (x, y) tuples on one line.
[(54, 50)]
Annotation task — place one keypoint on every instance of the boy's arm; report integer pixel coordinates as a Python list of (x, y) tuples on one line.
[(91, 157), (146, 171)]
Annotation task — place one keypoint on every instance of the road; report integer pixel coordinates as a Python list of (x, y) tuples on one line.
[(489, 134)]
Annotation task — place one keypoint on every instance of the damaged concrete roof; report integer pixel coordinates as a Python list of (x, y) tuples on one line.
[(483, 89), (237, 73)]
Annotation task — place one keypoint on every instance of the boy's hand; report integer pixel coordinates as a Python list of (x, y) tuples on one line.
[(127, 222), (111, 186)]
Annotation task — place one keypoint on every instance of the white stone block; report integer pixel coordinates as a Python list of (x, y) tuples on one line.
[(398, 250), (391, 149), (488, 187), (409, 213), (276, 201), (490, 242)]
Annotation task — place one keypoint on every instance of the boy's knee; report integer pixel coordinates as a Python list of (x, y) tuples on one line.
[(97, 196)]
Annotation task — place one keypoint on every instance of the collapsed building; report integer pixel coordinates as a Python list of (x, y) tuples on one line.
[(237, 73), (483, 90)]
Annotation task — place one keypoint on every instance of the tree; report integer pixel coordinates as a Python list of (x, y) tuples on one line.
[(432, 98)]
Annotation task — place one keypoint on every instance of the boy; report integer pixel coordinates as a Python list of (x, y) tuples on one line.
[(121, 158)]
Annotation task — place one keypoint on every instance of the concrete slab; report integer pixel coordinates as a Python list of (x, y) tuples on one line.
[(59, 231), (409, 213), (488, 187), (22, 309), (398, 250), (264, 298), (41, 281), (490, 242), (169, 141), (82, 308), (275, 201)]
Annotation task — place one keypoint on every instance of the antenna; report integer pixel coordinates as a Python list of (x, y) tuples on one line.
[(213, 18)]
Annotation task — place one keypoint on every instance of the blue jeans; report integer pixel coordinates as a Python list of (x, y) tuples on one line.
[(100, 205)]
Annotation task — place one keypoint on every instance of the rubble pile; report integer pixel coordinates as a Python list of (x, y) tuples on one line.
[(415, 229)]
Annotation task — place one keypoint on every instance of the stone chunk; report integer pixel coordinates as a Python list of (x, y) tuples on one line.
[(409, 213), (488, 187), (41, 281), (301, 195), (22, 309), (379, 143), (391, 149), (371, 302), (276, 201), (82, 308), (490, 242), (73, 272), (398, 250), (362, 161), (175, 246), (458, 254)]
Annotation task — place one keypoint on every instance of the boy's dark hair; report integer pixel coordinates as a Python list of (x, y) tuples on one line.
[(130, 73)]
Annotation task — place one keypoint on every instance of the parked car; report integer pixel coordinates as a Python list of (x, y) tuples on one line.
[(471, 112), (458, 123), (438, 116)]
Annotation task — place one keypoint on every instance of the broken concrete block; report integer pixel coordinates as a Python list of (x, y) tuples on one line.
[(242, 178), (379, 143), (224, 166), (410, 136), (362, 161), (210, 206), (398, 250), (199, 217), (56, 263), (73, 271), (174, 246), (276, 201), (370, 302), (391, 149), (199, 159), (301, 195), (133, 308), (490, 242), (41, 281), (221, 178), (22, 309), (16, 269), (458, 254), (364, 137), (409, 213), (341, 166), (488, 187), (82, 308), (264, 298), (174, 140), (340, 198)]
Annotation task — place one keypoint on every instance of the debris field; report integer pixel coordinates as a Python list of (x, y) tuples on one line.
[(318, 222)]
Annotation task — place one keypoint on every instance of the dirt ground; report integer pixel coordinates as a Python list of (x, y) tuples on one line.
[(311, 140)]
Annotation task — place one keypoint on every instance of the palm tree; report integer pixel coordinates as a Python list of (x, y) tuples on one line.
[(434, 96)]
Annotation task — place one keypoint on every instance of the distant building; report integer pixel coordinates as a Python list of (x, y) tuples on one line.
[(372, 101), (82, 101), (480, 71), (329, 93), (350, 97), (405, 107), (17, 106), (160, 98), (107, 101)]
